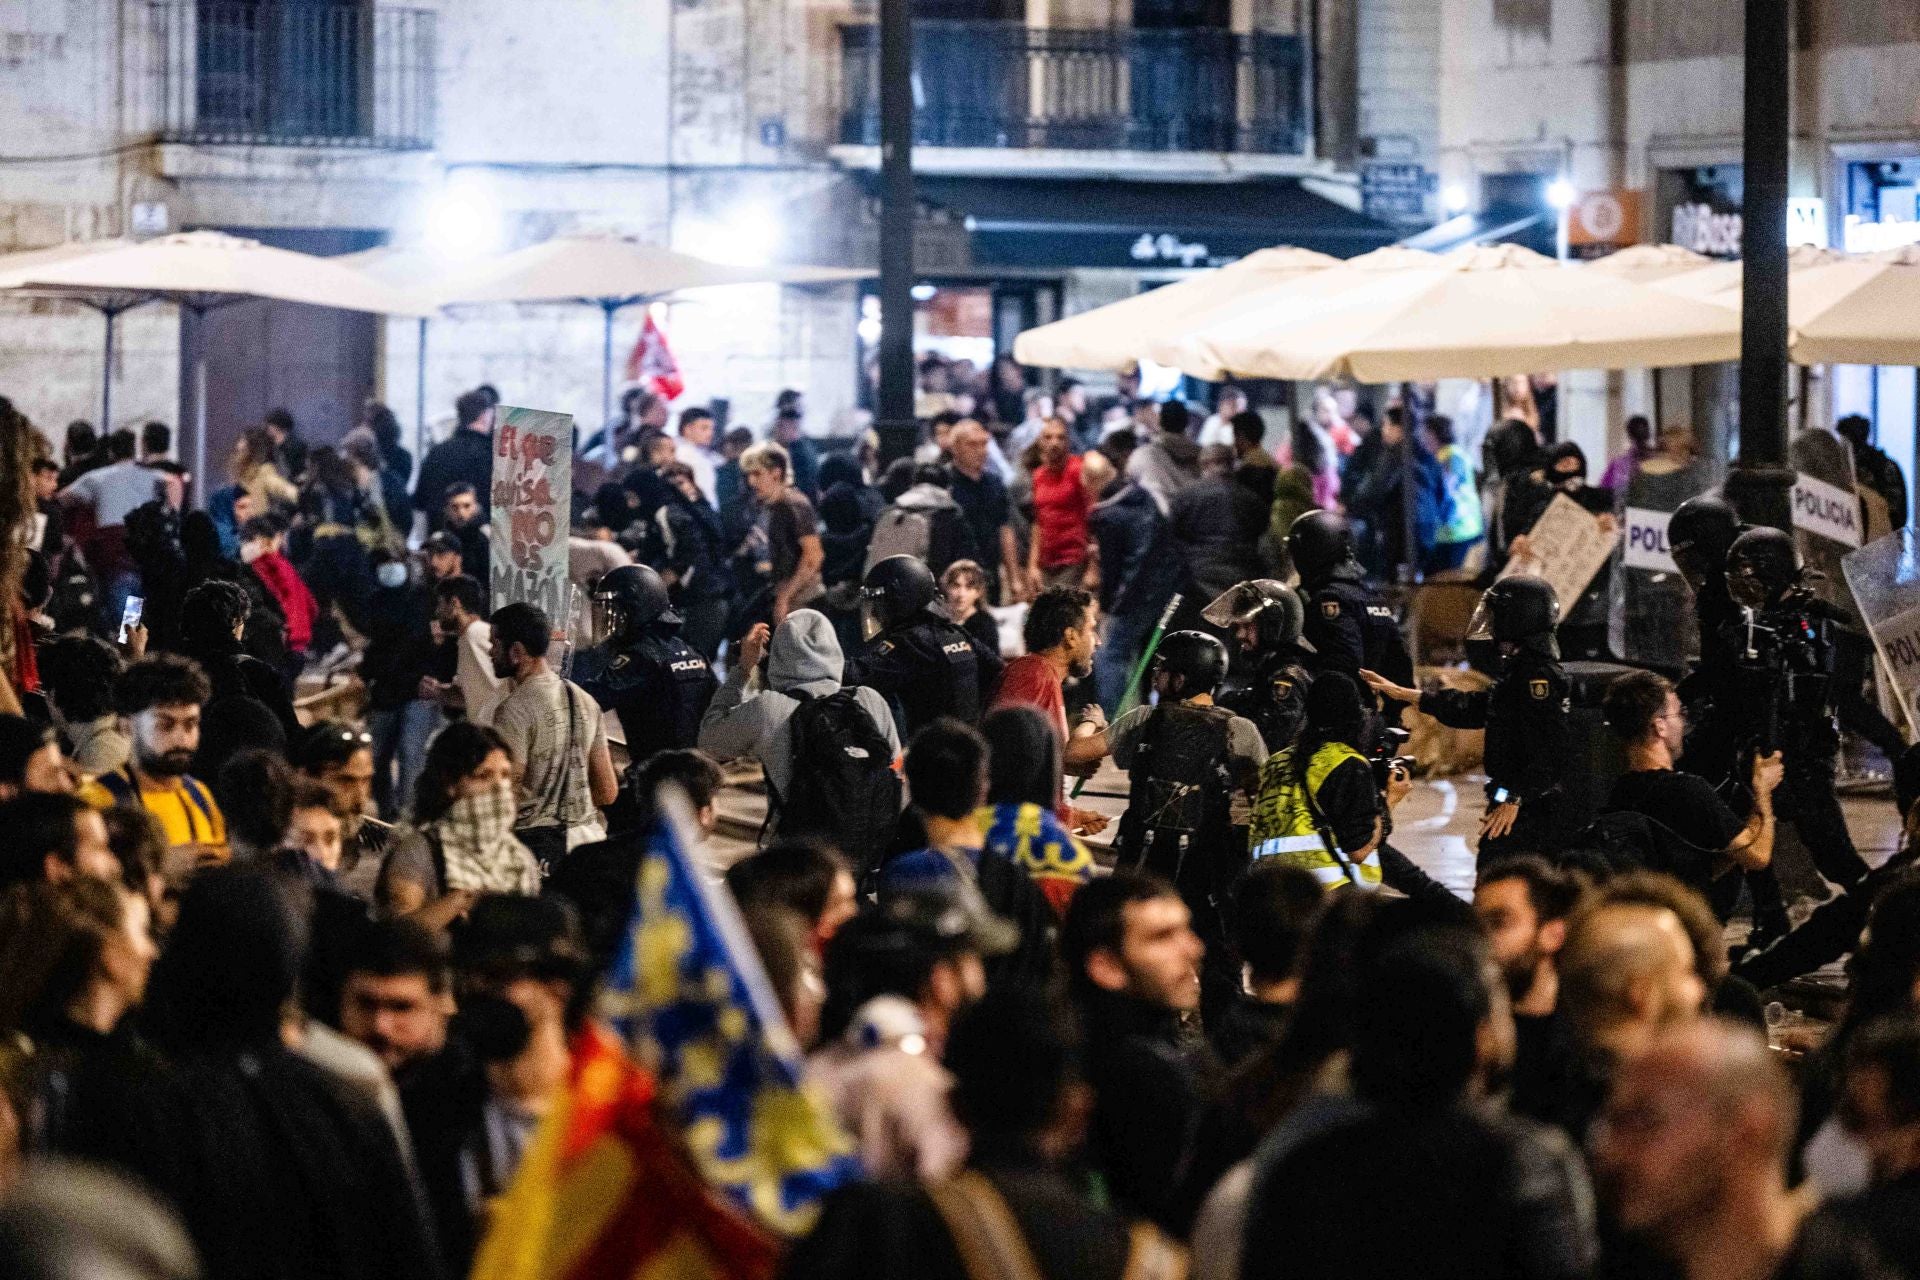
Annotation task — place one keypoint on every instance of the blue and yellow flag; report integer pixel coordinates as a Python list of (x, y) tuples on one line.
[(690, 998)]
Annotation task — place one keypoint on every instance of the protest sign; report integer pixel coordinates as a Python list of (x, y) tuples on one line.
[(1646, 546), (532, 497), (1566, 547)]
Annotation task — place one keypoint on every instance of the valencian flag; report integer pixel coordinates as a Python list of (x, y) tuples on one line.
[(606, 1192), (651, 363), (690, 998)]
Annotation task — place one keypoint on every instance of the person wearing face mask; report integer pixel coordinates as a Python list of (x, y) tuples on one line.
[(1584, 623), (1784, 698), (460, 843), (1526, 715)]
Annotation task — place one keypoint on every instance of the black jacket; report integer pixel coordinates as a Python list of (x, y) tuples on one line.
[(1466, 1192), (465, 457), (1527, 718), (1350, 627), (888, 1230), (1139, 568), (1150, 1086), (927, 667), (1217, 524)]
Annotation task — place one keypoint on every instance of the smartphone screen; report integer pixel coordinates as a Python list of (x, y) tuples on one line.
[(130, 618)]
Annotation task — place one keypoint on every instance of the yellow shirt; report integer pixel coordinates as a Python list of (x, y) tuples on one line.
[(185, 809)]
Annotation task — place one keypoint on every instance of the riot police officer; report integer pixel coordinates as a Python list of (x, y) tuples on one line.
[(1349, 627), (1185, 757), (924, 664), (1701, 533), (1265, 619), (1526, 715), (642, 669), (1784, 644)]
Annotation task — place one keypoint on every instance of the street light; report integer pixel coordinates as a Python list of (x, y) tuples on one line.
[(1455, 198), (1560, 194)]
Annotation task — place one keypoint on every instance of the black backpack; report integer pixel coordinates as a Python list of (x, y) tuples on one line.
[(843, 789)]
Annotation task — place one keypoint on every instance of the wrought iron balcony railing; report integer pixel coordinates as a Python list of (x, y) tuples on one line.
[(1003, 84), (313, 73)]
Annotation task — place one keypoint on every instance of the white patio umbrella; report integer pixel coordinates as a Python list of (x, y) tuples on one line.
[(1858, 310), (1649, 263), (608, 271), (201, 270), (1475, 313), (16, 268), (1117, 335)]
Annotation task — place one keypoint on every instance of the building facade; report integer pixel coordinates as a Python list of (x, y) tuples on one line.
[(1644, 97), (1069, 152)]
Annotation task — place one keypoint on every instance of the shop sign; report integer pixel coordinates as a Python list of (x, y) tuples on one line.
[(1645, 534), (1602, 222), (1395, 191), (1807, 222), (1705, 229), (1826, 510), (1168, 248)]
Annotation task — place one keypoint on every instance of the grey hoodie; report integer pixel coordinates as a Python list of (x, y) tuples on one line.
[(805, 656)]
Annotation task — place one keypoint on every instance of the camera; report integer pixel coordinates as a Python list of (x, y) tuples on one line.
[(1386, 757)]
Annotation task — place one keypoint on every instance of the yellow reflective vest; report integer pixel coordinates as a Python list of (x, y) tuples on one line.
[(1283, 821)]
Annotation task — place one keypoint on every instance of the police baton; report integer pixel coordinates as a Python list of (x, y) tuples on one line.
[(1139, 670)]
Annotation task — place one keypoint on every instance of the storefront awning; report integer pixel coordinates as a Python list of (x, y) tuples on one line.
[(1528, 225), (1067, 223)]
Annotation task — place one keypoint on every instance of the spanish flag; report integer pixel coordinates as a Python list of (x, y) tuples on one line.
[(606, 1192)]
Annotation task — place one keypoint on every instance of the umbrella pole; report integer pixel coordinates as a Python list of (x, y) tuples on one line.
[(606, 383), (201, 486), (106, 376), (420, 396)]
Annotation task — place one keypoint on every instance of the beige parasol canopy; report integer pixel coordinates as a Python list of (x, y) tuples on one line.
[(1116, 336), (204, 269), (1648, 263), (1858, 310), (1475, 313), (604, 268), (609, 271), (198, 270)]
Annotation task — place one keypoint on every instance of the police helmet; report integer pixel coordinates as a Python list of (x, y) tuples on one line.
[(1515, 610), (1762, 566), (893, 591), (1701, 533), (1319, 543), (629, 599), (1196, 657), (1271, 607)]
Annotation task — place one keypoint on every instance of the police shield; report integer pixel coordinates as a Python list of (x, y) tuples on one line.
[(1653, 622), (1883, 578), (1826, 512)]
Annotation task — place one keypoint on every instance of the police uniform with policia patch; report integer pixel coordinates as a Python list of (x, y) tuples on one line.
[(1347, 625), (1267, 617), (642, 670), (924, 664), (1526, 713)]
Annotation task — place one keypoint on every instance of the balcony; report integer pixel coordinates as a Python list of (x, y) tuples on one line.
[(293, 73), (1006, 85)]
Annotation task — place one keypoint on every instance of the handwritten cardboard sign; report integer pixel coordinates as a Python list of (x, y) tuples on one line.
[(1566, 547), (532, 497)]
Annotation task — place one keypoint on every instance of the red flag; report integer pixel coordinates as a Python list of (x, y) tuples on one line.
[(651, 363), (605, 1192)]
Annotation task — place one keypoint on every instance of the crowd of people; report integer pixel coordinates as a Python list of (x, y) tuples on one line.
[(289, 983)]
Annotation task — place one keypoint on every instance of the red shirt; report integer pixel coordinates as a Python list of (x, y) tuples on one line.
[(296, 602), (1060, 507), (1031, 681)]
